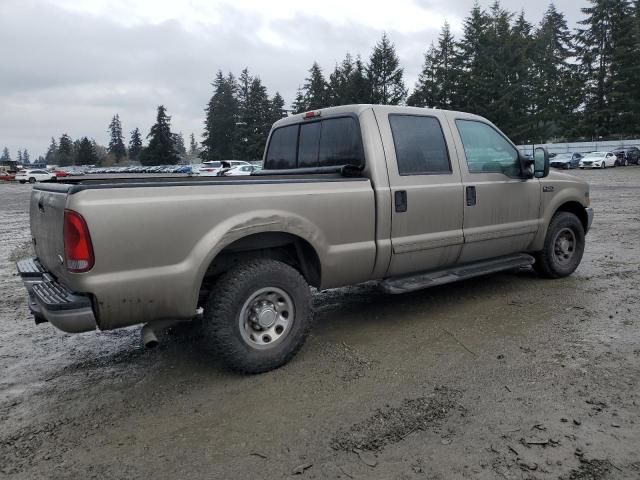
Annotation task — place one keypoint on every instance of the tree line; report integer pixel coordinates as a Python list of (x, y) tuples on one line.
[(538, 83)]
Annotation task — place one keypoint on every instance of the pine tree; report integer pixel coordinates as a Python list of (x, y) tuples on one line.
[(178, 141), (6, 157), (20, 161), (257, 118), (86, 152), (339, 83), (385, 74), (359, 90), (161, 149), (276, 109), (26, 159), (556, 95), (65, 151), (315, 89), (193, 146), (52, 153), (135, 144), (299, 104), (424, 93), (116, 144), (220, 122), (243, 126)]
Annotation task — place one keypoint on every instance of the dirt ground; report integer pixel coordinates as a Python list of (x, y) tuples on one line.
[(506, 376)]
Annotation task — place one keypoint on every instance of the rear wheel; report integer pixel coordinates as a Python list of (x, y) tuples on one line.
[(258, 315), (32, 180), (563, 247)]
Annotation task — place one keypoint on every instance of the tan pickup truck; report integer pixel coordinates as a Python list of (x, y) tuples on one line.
[(408, 196)]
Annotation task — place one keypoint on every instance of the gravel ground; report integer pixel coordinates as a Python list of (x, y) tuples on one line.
[(506, 376)]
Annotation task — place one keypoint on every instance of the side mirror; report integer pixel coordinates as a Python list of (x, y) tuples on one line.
[(540, 162)]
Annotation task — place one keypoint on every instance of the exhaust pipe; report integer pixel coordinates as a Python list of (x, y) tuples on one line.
[(149, 338)]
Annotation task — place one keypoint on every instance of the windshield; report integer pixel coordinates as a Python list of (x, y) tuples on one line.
[(595, 154), (563, 156)]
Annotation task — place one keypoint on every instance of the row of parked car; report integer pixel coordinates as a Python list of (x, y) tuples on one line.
[(616, 158), (215, 168)]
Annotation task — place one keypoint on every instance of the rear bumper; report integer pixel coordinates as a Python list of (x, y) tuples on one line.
[(51, 301)]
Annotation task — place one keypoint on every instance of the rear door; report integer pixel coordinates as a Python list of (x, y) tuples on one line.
[(426, 190), (501, 207)]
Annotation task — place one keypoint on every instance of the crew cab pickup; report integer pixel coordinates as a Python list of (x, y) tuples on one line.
[(410, 197)]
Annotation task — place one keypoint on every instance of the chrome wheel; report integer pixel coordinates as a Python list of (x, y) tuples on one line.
[(564, 246), (266, 317)]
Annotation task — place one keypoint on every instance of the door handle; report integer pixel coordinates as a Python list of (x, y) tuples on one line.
[(400, 197), (470, 193)]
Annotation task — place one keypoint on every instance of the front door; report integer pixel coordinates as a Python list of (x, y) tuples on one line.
[(501, 207), (426, 191)]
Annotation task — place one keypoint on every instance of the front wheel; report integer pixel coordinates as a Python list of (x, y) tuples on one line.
[(32, 180), (604, 165), (258, 315), (563, 247)]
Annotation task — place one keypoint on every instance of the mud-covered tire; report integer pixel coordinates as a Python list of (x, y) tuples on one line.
[(556, 260), (226, 305)]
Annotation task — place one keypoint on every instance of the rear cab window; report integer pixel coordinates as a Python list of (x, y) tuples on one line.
[(420, 145), (333, 141)]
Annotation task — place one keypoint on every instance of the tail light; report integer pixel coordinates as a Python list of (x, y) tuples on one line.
[(78, 250)]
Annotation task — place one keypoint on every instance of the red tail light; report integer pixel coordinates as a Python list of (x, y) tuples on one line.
[(77, 243)]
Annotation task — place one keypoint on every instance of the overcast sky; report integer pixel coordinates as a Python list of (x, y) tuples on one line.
[(67, 66)]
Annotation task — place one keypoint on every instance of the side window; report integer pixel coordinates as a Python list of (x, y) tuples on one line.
[(282, 148), (309, 142), (339, 143), (486, 150), (420, 145)]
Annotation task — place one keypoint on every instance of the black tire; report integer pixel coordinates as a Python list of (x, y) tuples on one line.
[(22, 181), (551, 264), (32, 180), (225, 304), (604, 165)]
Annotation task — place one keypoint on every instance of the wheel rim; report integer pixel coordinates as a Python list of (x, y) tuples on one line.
[(564, 246), (266, 317)]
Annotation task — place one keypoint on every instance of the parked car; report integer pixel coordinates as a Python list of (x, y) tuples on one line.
[(241, 170), (33, 176), (566, 160), (598, 160), (410, 197), (628, 156), (60, 173)]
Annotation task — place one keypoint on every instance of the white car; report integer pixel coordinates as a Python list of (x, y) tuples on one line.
[(33, 176), (242, 170), (214, 168), (598, 160)]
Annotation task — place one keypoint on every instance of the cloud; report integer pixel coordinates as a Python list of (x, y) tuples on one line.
[(70, 65)]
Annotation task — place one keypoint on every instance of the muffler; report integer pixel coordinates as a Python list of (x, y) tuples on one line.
[(149, 337)]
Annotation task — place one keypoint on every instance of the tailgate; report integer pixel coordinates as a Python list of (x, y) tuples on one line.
[(47, 221)]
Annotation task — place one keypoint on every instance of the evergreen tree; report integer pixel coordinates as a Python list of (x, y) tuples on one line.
[(315, 89), (65, 151), (6, 157), (243, 125), (359, 90), (299, 105), (161, 149), (193, 146), (424, 93), (86, 152), (26, 159), (220, 122), (384, 74), (116, 144), (257, 118), (276, 109), (178, 141), (20, 161), (52, 152), (135, 144), (339, 91), (556, 95)]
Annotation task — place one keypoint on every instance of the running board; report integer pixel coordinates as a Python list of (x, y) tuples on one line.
[(461, 272)]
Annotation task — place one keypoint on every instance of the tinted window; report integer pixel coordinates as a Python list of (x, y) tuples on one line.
[(340, 142), (282, 148), (486, 150), (420, 145), (309, 144)]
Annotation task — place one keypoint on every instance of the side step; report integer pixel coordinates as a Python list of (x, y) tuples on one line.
[(419, 281)]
